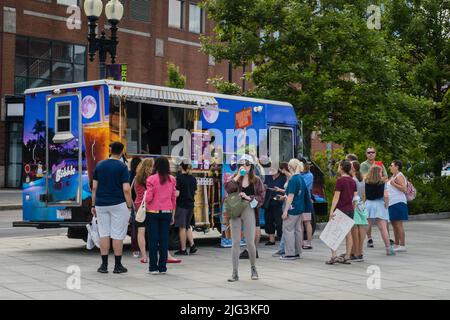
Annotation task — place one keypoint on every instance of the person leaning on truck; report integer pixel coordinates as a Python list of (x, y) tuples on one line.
[(112, 204)]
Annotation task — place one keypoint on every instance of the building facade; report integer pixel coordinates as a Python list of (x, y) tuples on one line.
[(44, 42)]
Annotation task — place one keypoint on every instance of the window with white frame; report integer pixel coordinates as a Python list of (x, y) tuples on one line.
[(196, 21), (176, 13), (63, 118)]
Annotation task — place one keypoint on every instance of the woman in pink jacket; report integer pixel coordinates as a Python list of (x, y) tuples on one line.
[(160, 206)]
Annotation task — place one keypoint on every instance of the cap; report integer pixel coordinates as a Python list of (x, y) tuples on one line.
[(245, 158)]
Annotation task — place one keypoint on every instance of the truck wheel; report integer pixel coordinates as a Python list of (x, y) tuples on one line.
[(174, 238), (77, 233)]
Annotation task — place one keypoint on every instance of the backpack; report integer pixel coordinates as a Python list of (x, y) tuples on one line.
[(410, 191), (235, 205)]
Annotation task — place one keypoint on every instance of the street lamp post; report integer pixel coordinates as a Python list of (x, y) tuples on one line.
[(114, 13)]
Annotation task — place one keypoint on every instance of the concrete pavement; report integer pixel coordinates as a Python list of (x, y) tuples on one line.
[(10, 199), (35, 268)]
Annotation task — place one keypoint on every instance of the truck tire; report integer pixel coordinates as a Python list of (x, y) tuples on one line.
[(77, 233)]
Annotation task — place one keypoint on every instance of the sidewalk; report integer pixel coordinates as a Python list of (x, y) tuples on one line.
[(36, 268), (10, 199)]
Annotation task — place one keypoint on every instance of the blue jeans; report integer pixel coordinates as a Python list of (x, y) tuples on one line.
[(158, 239)]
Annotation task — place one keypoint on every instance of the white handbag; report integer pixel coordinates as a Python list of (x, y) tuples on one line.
[(140, 214)]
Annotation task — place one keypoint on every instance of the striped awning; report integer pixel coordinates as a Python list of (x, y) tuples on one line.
[(165, 97)]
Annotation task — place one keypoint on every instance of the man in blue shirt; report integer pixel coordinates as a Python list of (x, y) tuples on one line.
[(112, 204)]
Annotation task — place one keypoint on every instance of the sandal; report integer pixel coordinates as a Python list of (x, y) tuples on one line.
[(343, 260), (144, 260), (333, 260)]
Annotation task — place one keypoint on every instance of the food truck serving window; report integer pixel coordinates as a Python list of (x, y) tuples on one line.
[(282, 142), (63, 117)]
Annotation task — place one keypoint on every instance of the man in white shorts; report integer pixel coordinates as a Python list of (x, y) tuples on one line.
[(112, 204)]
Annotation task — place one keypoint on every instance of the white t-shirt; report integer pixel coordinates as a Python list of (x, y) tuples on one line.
[(396, 195)]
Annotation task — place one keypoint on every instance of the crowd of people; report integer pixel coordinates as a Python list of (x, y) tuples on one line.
[(364, 192)]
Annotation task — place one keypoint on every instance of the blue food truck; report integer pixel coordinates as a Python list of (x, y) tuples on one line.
[(68, 129)]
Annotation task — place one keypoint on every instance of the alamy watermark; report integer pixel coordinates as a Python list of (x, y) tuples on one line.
[(374, 17), (73, 282), (374, 280)]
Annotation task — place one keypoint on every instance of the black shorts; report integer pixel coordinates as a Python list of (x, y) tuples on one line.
[(139, 224), (350, 214), (183, 217)]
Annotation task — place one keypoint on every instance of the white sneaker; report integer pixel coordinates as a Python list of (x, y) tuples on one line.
[(154, 272), (400, 249), (136, 254)]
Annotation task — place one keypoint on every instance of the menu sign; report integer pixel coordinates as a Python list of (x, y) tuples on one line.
[(244, 118)]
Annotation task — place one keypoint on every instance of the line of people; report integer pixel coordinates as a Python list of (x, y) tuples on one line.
[(366, 194), (168, 201), (285, 195)]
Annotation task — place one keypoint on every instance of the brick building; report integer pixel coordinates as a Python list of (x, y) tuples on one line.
[(44, 42)]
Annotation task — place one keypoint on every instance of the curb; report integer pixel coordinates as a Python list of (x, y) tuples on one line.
[(415, 217), (10, 207)]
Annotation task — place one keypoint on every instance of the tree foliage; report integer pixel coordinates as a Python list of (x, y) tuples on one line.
[(176, 79), (354, 84)]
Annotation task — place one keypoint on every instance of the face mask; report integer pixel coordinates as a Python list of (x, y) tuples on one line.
[(242, 172)]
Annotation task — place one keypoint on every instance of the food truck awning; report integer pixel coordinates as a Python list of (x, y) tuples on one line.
[(165, 97)]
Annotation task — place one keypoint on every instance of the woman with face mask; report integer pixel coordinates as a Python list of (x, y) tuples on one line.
[(252, 190)]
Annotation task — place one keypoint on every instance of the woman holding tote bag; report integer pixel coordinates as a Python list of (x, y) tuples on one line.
[(251, 189)]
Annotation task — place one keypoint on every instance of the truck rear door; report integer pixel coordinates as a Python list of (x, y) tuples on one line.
[(63, 151)]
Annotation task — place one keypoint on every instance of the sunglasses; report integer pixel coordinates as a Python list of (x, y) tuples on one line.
[(371, 152), (246, 163)]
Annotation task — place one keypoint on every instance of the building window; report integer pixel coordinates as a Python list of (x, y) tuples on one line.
[(42, 63), (176, 13), (68, 2), (140, 10), (196, 20)]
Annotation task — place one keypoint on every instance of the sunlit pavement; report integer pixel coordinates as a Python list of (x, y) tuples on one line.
[(34, 267)]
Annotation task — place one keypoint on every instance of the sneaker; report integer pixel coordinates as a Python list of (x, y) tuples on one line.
[(181, 253), (254, 274), (243, 243), (400, 248), (370, 243), (225, 243), (136, 254), (234, 277), (154, 272), (361, 258), (244, 255), (288, 257), (279, 253), (103, 269), (193, 249), (120, 269), (390, 251), (355, 258), (270, 243), (163, 272)]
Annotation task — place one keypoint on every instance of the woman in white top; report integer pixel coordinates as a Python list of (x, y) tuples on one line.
[(398, 209)]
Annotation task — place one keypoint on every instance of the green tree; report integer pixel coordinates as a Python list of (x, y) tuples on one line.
[(340, 75), (420, 30), (176, 79)]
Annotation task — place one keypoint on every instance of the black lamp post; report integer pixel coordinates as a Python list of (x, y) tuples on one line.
[(114, 13)]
